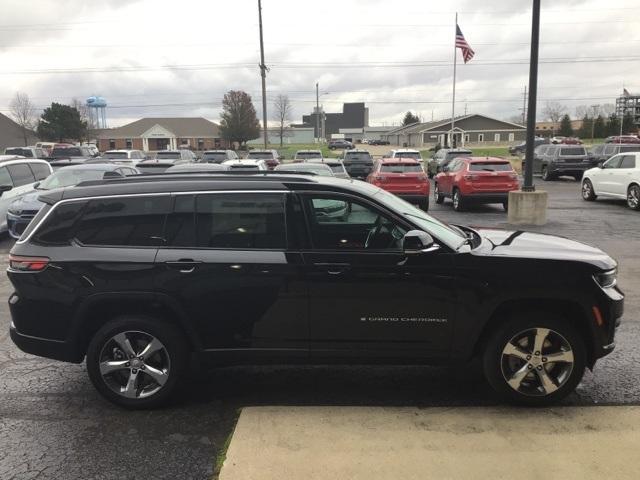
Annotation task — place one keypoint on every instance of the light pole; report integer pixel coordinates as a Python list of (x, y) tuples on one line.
[(263, 73), (533, 93), (593, 121)]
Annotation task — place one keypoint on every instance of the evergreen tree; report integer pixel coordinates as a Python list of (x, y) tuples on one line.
[(613, 125), (565, 126), (628, 125), (410, 118), (586, 128), (599, 127), (61, 122)]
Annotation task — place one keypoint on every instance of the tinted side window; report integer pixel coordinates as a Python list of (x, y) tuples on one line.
[(21, 174), (340, 223), (609, 150), (133, 221), (40, 171), (180, 230), (240, 221), (57, 228), (5, 178), (628, 161)]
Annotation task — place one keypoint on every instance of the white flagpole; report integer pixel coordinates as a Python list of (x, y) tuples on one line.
[(453, 100)]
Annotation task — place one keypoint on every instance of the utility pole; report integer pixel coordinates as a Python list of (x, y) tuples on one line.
[(317, 113), (263, 73), (524, 105), (593, 121), (533, 91)]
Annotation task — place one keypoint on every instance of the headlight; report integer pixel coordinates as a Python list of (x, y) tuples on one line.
[(607, 279), (13, 211)]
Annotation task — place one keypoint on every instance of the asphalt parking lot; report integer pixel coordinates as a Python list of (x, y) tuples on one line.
[(54, 425)]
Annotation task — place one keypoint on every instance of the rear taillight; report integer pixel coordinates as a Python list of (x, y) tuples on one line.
[(379, 178), (513, 176), (422, 178), (471, 177), (28, 264)]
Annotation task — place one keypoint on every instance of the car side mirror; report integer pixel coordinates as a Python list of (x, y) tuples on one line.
[(36, 185), (417, 241), (5, 188), (600, 164)]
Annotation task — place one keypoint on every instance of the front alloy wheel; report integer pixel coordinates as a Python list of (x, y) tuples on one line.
[(537, 362), (457, 201), (438, 197), (633, 197), (535, 358), (545, 174)]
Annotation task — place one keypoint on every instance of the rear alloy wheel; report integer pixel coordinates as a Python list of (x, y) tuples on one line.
[(505, 206), (535, 360), (458, 203), (633, 197), (424, 204), (587, 191), (438, 197), (546, 176), (136, 362)]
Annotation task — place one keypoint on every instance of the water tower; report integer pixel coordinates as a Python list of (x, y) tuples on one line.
[(97, 107)]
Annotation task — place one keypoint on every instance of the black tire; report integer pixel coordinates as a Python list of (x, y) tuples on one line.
[(531, 392), (578, 176), (546, 176), (505, 206), (175, 354), (458, 200), (633, 197), (424, 204), (588, 193), (439, 198)]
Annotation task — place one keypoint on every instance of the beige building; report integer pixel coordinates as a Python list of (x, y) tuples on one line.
[(152, 134)]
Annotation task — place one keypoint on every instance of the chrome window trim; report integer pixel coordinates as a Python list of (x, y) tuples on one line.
[(129, 195)]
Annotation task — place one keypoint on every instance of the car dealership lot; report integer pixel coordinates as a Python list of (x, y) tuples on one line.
[(53, 423)]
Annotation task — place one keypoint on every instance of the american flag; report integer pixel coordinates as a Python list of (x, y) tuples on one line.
[(461, 43)]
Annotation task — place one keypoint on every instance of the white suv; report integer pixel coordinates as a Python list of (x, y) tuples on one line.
[(618, 177), (405, 153)]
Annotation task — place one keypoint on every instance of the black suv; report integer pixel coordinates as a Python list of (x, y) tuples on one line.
[(358, 163), (138, 274), (552, 161)]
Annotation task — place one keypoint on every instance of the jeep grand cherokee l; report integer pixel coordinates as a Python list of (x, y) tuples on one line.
[(138, 274)]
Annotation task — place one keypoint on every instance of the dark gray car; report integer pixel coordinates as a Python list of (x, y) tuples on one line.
[(604, 151)]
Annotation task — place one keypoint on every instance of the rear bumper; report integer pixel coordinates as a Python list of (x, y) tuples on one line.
[(44, 347), (412, 197), (570, 169), (488, 197)]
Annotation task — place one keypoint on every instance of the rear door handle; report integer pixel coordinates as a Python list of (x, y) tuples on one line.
[(185, 265), (333, 268)]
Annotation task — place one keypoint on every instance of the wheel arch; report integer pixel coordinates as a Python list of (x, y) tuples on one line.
[(98, 309), (566, 308)]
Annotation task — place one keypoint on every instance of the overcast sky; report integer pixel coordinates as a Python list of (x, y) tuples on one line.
[(181, 57)]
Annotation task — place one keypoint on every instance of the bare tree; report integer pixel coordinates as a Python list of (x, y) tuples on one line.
[(554, 111), (282, 111), (23, 113), (607, 109), (83, 110), (582, 111)]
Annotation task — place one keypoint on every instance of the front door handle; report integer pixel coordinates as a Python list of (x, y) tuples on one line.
[(184, 265), (333, 268)]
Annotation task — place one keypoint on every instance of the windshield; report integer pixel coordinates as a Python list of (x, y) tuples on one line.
[(168, 155), (260, 155), (69, 178), (308, 155), (573, 151), (115, 155), (66, 152), (490, 167), (414, 155), (358, 156), (451, 155), (215, 156), (318, 169), (401, 168), (453, 237)]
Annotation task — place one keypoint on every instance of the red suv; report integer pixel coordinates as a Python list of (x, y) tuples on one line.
[(476, 179), (403, 177)]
